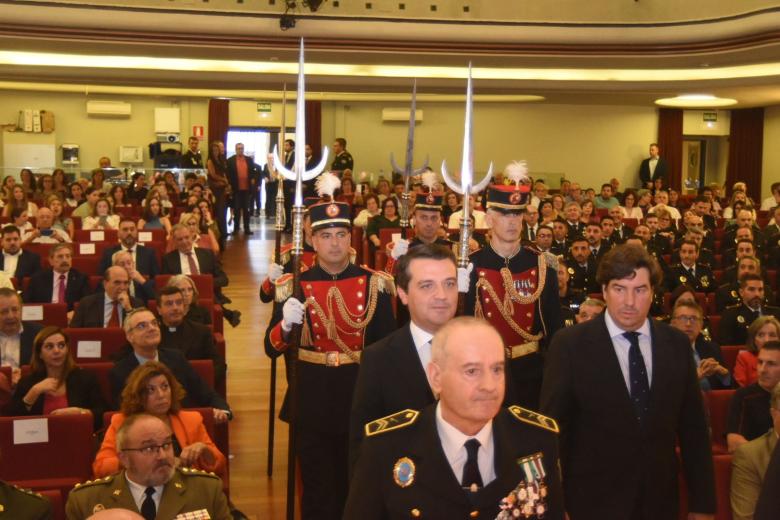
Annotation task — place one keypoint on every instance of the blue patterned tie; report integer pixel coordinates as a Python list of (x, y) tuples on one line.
[(637, 375)]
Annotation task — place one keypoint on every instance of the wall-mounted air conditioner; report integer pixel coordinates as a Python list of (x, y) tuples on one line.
[(109, 109), (400, 114)]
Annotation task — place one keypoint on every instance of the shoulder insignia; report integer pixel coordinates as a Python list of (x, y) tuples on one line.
[(532, 249), (551, 259), (529, 416), (392, 422), (283, 287), (96, 482), (385, 282), (192, 472), (29, 492)]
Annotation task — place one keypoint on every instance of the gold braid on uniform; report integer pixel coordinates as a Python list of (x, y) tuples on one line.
[(506, 308), (378, 282)]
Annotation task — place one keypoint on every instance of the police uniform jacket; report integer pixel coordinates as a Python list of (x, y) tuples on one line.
[(736, 319), (583, 278), (189, 491), (343, 161), (433, 490), (22, 504), (621, 234), (560, 248), (702, 280), (576, 229), (325, 390), (659, 244), (726, 296)]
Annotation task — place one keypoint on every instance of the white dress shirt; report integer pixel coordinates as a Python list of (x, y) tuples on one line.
[(453, 444), (185, 263), (422, 343), (10, 262), (11, 349), (139, 493), (651, 164), (622, 345)]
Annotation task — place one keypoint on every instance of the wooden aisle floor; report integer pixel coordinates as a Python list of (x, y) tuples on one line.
[(246, 262)]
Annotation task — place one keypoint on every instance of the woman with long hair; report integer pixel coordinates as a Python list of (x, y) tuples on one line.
[(102, 217), (27, 179), (117, 196), (76, 198), (152, 217), (45, 188), (54, 203), (630, 208), (60, 185), (98, 180), (588, 211), (19, 200), (763, 329), (216, 164)]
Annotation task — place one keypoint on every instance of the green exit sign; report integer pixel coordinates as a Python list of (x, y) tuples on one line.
[(710, 117), (263, 106)]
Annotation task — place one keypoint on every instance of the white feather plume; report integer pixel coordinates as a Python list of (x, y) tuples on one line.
[(517, 172), (327, 184), (430, 180)]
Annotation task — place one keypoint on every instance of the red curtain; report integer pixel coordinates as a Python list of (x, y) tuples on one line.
[(670, 138), (314, 126), (219, 119), (746, 144)]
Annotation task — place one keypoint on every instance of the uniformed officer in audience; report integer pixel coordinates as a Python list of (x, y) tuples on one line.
[(516, 289), (150, 483), (582, 267), (346, 307), (465, 456), (690, 271), (570, 298), (706, 257), (728, 293), (736, 319), (572, 212), (658, 244), (560, 243), (20, 503)]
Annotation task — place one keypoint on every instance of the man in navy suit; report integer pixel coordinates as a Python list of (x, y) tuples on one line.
[(15, 261), (17, 339), (139, 286), (144, 257), (688, 317), (624, 391), (61, 283)]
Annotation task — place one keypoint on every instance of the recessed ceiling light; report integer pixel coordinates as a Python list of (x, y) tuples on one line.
[(696, 101)]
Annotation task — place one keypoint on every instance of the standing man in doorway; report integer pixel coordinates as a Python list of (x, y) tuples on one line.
[(652, 168), (243, 174)]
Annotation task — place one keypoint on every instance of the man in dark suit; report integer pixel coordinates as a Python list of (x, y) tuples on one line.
[(736, 319), (144, 257), (61, 283), (108, 307), (15, 261), (243, 175), (194, 340), (688, 318), (652, 168), (18, 339), (143, 333), (625, 393), (392, 370), (464, 456), (139, 287), (186, 259), (622, 232)]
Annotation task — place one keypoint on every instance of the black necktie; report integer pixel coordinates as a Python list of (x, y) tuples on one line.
[(637, 375), (148, 509), (471, 474)]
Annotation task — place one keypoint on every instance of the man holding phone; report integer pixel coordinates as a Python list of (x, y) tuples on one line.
[(44, 233)]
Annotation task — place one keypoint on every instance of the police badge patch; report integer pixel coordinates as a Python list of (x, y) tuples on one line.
[(403, 472)]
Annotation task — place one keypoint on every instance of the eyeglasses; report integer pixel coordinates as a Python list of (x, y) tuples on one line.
[(152, 449), (687, 319), (145, 325)]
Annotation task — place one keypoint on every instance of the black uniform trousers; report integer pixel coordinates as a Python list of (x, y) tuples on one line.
[(241, 209)]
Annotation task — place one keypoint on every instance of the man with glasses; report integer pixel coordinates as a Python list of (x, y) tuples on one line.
[(143, 333), (688, 317), (150, 483)]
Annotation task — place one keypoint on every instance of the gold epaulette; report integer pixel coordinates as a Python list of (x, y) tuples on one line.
[(97, 481), (551, 259), (536, 419), (385, 282), (285, 253), (192, 472), (283, 287), (392, 422), (29, 492)]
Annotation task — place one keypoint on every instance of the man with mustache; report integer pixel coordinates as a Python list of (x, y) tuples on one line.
[(150, 483), (464, 456), (736, 319), (61, 283)]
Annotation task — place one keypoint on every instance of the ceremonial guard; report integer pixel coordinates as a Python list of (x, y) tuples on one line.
[(689, 271), (516, 289), (19, 503), (345, 307)]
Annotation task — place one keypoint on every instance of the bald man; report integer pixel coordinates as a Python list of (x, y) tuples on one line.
[(108, 307), (462, 456)]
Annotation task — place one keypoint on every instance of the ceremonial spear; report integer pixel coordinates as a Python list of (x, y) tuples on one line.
[(298, 174), (279, 225), (408, 171), (466, 186)]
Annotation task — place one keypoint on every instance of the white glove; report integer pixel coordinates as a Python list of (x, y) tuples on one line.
[(292, 311), (464, 278), (275, 271), (400, 248)]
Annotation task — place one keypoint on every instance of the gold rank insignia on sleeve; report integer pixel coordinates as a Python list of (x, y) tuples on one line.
[(392, 422), (531, 417), (283, 287)]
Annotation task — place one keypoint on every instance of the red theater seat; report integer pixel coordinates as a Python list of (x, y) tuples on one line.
[(57, 503), (204, 283), (729, 353), (714, 324), (95, 235), (46, 313), (718, 409), (85, 350), (87, 264)]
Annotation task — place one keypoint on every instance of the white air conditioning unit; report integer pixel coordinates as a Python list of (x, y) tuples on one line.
[(168, 138), (109, 109), (400, 114)]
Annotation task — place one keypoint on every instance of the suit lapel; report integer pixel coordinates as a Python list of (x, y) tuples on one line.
[(173, 500), (121, 495), (408, 363)]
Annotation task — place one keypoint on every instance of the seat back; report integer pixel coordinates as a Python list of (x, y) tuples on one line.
[(46, 313), (718, 407), (87, 265), (101, 370), (729, 353), (722, 465), (57, 504), (95, 235), (91, 345), (204, 283)]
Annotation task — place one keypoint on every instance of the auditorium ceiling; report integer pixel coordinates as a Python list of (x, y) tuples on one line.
[(616, 52)]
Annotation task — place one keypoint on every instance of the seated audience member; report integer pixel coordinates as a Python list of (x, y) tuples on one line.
[(192, 311), (606, 200), (589, 309), (630, 208), (16, 262), (76, 195), (21, 220), (370, 211), (749, 464), (152, 389), (55, 384), (143, 333), (117, 197), (137, 190), (60, 283), (59, 221), (662, 202), (389, 218), (688, 317), (145, 445), (477, 214), (204, 237), (193, 339), (44, 231), (690, 271), (139, 286), (153, 217), (736, 319), (109, 307), (207, 217), (749, 416), (728, 293), (144, 257), (87, 207), (101, 217), (17, 340), (19, 200), (763, 329), (582, 267)]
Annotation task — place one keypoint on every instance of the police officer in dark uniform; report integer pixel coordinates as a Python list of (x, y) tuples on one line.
[(657, 243), (20, 503), (466, 456), (728, 293), (570, 298), (582, 268), (689, 271), (742, 249), (516, 289), (347, 307), (736, 319), (560, 244), (342, 159), (192, 159)]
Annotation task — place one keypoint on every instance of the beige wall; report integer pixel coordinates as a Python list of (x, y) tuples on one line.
[(771, 159), (102, 136)]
